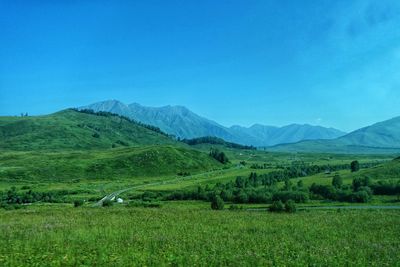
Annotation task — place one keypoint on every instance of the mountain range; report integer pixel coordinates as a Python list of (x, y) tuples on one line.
[(382, 137), (185, 124)]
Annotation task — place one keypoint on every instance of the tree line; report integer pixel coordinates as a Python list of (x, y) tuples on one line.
[(109, 114), (215, 141)]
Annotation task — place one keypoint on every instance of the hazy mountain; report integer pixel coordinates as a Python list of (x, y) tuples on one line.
[(183, 123), (262, 135), (382, 137), (175, 120)]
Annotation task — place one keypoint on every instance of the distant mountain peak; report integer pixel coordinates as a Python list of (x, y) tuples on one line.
[(183, 123)]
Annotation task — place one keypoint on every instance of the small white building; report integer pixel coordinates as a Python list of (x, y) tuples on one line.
[(120, 200)]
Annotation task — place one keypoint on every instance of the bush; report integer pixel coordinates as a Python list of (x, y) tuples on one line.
[(290, 206), (107, 203), (277, 206), (217, 203), (337, 181), (297, 196), (78, 203), (145, 204), (361, 197)]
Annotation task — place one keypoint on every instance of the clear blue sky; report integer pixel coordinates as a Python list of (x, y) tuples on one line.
[(334, 63)]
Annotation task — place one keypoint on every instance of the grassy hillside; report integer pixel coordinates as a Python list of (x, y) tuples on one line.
[(389, 170), (108, 164), (74, 130)]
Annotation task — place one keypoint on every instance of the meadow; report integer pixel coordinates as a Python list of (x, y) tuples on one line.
[(190, 234)]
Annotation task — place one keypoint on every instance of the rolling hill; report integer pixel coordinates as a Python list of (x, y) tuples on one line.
[(73, 130), (183, 123), (110, 164), (388, 170), (382, 137)]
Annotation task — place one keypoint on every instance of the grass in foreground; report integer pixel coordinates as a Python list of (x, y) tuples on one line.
[(194, 235)]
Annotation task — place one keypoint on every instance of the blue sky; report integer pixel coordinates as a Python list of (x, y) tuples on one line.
[(333, 63)]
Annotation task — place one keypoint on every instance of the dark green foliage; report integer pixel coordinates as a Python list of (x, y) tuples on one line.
[(277, 206), (13, 196), (288, 185), (217, 203), (290, 206), (144, 204), (107, 203), (109, 114), (219, 155), (361, 195), (337, 181), (325, 191), (300, 184), (78, 203), (355, 166), (215, 141), (96, 135), (386, 188), (361, 181), (297, 196)]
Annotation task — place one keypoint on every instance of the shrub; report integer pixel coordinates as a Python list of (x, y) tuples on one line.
[(78, 203), (290, 206), (277, 206), (217, 203), (107, 203), (337, 181), (297, 196), (361, 196)]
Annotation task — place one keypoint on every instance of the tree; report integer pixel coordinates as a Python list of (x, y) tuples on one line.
[(217, 203), (290, 206), (288, 185), (218, 155), (337, 181), (355, 166), (277, 206)]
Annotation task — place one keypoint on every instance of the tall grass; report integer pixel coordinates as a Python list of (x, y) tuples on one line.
[(120, 236)]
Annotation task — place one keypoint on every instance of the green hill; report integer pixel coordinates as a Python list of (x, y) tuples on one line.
[(389, 170), (111, 164), (73, 130)]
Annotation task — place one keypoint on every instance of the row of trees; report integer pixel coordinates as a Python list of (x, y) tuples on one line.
[(216, 141), (264, 189), (14, 196), (109, 114), (219, 155)]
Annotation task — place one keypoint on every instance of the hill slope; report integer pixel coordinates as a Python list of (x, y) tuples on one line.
[(382, 137), (74, 130), (111, 164), (185, 124)]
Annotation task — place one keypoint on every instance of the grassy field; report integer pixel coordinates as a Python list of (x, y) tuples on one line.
[(51, 232), (190, 234)]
